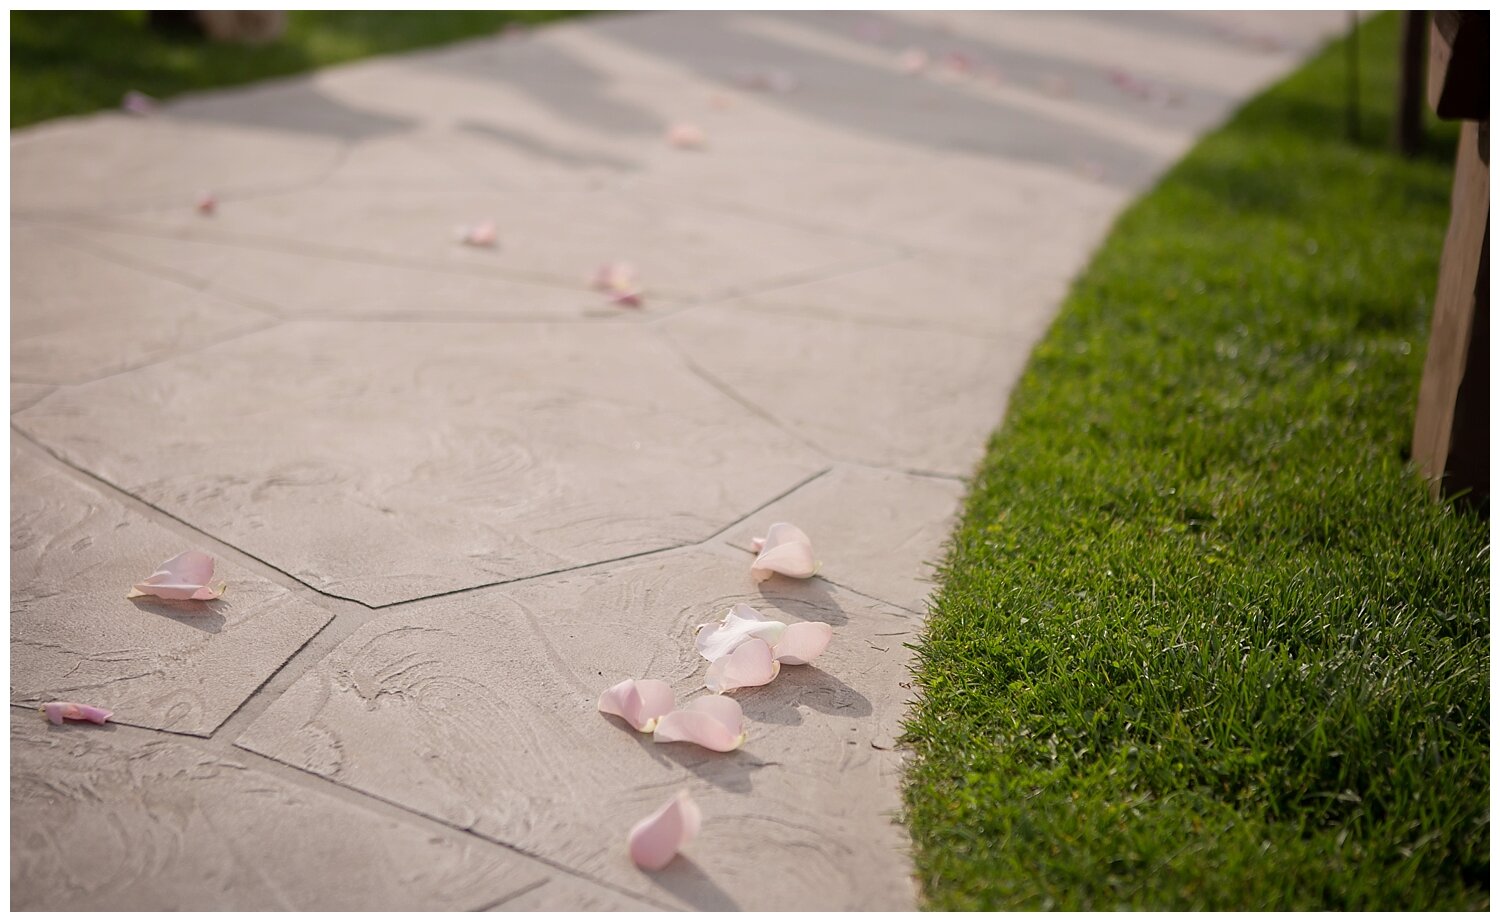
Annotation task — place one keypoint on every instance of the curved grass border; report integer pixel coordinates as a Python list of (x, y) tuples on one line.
[(1202, 641)]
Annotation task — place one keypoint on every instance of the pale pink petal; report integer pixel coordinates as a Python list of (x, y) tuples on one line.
[(657, 839), (758, 544), (802, 643), (483, 234), (738, 625), (207, 203), (685, 136), (959, 63), (751, 664), (618, 280), (912, 61), (58, 711), (187, 576), (138, 103), (639, 702), (712, 722), (786, 550)]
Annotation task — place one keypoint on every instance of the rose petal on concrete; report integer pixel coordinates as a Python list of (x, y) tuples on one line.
[(786, 550), (912, 61), (58, 711), (138, 103), (750, 665), (639, 702), (685, 137), (482, 234), (614, 276), (170, 665), (802, 643), (712, 722), (738, 625), (657, 839), (186, 576), (207, 203)]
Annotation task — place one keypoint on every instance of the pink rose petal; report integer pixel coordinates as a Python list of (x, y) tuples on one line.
[(657, 839), (138, 103), (751, 664), (186, 576), (639, 702), (785, 550), (685, 137), (58, 711), (913, 61), (483, 234), (739, 624), (207, 203), (802, 643), (618, 280), (713, 722), (959, 63)]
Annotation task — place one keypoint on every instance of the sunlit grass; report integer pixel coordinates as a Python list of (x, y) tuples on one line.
[(1202, 640)]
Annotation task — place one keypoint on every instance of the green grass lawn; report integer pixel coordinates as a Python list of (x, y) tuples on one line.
[(66, 63), (1202, 641)]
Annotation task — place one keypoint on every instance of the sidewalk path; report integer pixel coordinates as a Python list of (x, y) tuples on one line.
[(457, 494)]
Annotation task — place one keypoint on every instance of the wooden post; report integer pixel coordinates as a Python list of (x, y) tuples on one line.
[(1406, 133), (1450, 444)]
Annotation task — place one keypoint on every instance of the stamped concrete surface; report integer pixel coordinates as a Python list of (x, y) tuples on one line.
[(457, 493)]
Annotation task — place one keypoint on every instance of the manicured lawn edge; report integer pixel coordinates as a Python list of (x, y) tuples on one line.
[(1201, 639)]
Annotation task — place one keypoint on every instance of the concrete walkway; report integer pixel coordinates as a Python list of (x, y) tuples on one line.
[(456, 493)]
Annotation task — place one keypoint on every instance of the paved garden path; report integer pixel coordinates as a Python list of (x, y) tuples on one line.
[(456, 493)]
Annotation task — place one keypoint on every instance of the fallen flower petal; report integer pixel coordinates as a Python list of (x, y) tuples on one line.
[(58, 711), (739, 624), (138, 103), (752, 663), (712, 722), (483, 234), (912, 61), (785, 550), (685, 136), (639, 702), (614, 276), (802, 643), (959, 63), (657, 839), (618, 280), (186, 576), (207, 203)]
